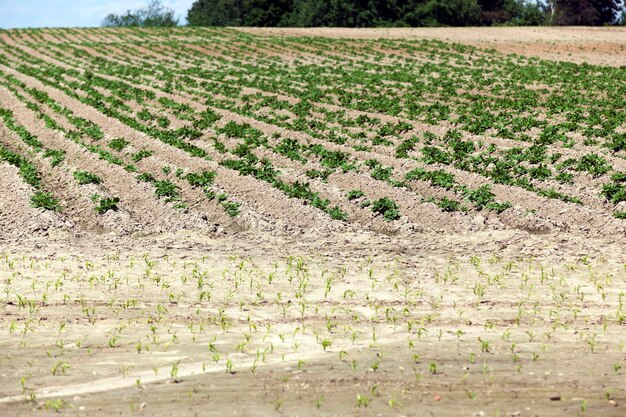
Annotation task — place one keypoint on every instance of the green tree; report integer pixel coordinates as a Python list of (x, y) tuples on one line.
[(215, 13), (238, 12), (307, 14), (529, 14), (372, 13), (585, 12), (265, 12), (512, 12), (364, 13), (457, 12), (155, 14)]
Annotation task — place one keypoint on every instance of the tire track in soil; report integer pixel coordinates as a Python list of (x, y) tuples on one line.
[(185, 370)]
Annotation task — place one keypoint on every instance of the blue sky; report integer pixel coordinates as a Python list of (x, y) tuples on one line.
[(66, 13)]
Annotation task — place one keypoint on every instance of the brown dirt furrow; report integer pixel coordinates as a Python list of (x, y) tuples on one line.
[(422, 216), (549, 209), (7, 38), (93, 37), (419, 217), (580, 190), (556, 214), (200, 207), (483, 138), (275, 213), (169, 55), (67, 37), (584, 187), (559, 215), (23, 37), (92, 53), (292, 171), (139, 208), (49, 37), (106, 76), (75, 203)]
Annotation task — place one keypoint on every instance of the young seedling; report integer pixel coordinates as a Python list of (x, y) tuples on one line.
[(362, 400)]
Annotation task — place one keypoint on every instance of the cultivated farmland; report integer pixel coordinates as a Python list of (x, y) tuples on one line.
[(203, 221)]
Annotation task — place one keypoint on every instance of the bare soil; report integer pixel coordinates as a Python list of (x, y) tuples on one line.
[(281, 310), (124, 328), (593, 45)]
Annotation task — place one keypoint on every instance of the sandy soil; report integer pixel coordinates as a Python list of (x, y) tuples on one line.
[(600, 46), (183, 324)]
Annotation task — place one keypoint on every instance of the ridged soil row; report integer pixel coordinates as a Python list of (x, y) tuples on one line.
[(585, 187), (262, 206), (167, 95), (416, 215), (196, 199), (507, 193), (569, 190), (152, 165), (76, 205), (557, 214), (583, 182), (73, 58), (422, 215), (36, 54), (336, 196), (363, 218), (139, 208)]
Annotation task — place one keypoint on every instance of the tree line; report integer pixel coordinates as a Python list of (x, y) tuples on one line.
[(379, 13)]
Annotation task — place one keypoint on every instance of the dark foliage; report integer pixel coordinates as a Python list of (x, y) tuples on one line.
[(382, 13)]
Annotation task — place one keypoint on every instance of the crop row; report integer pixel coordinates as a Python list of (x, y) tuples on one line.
[(399, 112)]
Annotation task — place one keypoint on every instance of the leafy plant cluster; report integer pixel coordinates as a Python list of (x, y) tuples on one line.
[(384, 206), (387, 208), (105, 204)]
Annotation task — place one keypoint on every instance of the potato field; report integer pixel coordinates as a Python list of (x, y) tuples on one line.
[(229, 222)]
